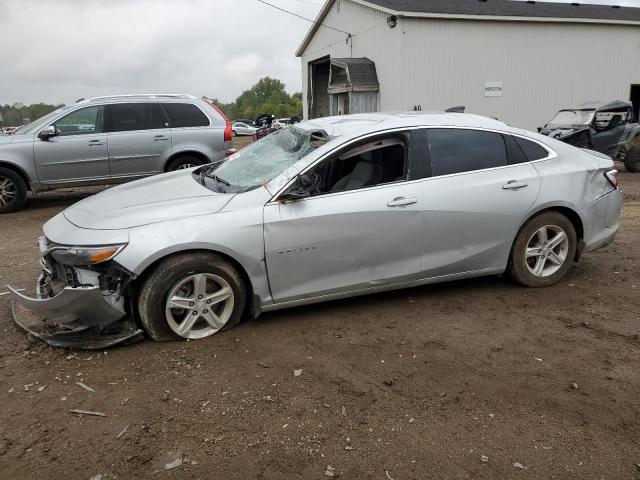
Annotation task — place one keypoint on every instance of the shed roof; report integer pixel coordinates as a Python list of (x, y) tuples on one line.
[(511, 8), (506, 10)]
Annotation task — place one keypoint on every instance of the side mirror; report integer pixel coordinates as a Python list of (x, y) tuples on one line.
[(47, 132), (301, 188)]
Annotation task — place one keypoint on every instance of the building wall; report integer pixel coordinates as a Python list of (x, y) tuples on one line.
[(438, 63)]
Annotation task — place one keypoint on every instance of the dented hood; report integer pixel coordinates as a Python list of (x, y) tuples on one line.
[(151, 200)]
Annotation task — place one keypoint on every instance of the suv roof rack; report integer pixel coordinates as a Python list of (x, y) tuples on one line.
[(139, 95)]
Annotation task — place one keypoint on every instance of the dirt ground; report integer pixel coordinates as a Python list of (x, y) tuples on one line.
[(472, 379)]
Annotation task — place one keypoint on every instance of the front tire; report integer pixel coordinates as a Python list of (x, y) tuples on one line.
[(543, 251), (13, 191), (184, 162), (191, 296), (632, 160)]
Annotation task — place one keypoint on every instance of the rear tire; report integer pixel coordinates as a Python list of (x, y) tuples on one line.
[(632, 160), (184, 162), (235, 134), (13, 191), (173, 284), (543, 251)]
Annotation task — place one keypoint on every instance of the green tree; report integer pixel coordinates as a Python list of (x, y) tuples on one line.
[(267, 96)]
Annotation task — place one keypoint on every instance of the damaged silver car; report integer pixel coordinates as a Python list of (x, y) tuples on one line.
[(326, 209)]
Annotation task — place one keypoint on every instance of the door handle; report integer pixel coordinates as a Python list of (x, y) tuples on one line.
[(514, 185), (402, 202), (159, 138), (93, 143)]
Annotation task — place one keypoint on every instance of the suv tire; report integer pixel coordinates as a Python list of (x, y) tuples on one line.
[(543, 251), (13, 191), (184, 162), (208, 287), (632, 160)]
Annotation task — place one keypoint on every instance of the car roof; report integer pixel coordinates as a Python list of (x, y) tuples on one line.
[(141, 96), (351, 124)]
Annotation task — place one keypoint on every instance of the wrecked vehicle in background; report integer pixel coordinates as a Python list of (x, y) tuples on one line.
[(325, 209), (608, 128)]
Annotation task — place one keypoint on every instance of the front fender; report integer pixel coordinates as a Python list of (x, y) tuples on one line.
[(238, 235)]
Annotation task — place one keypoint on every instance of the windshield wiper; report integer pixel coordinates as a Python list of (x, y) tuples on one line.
[(204, 172), (217, 179)]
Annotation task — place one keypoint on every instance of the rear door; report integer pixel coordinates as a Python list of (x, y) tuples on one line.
[(479, 188), (78, 151), (194, 130), (139, 139)]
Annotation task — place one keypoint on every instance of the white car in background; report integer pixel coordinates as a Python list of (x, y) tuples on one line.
[(240, 128)]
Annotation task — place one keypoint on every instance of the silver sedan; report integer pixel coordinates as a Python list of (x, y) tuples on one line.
[(239, 128), (326, 209)]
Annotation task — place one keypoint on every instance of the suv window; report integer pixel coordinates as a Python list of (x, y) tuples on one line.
[(532, 150), (185, 115), (374, 162), (81, 122), (128, 117), (459, 150)]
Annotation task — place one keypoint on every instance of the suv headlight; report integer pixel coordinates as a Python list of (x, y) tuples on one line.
[(85, 256)]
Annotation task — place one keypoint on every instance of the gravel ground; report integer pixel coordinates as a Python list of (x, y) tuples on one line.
[(472, 379)]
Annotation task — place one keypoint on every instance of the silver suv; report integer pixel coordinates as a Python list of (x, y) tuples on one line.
[(110, 140)]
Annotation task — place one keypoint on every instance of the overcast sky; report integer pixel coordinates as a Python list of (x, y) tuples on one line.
[(59, 50)]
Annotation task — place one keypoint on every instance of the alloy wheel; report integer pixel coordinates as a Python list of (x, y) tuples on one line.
[(199, 305), (8, 191), (547, 251)]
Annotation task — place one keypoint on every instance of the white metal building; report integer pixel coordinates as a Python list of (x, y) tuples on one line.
[(517, 61)]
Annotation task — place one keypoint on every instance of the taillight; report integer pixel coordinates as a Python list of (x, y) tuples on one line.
[(611, 176), (228, 130)]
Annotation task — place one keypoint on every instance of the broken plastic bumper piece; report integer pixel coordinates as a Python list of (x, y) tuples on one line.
[(75, 318)]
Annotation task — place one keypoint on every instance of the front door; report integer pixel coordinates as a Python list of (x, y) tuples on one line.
[(139, 139), (359, 230), (78, 151)]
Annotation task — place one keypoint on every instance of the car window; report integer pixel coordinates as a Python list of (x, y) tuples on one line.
[(81, 122), (185, 115), (532, 150), (128, 117), (609, 119), (515, 154), (374, 162), (461, 150)]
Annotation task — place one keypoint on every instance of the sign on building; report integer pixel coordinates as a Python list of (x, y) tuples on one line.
[(493, 89)]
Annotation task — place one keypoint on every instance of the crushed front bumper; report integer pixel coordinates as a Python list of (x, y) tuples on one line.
[(77, 307), (75, 318)]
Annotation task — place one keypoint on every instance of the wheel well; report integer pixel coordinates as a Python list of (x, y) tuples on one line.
[(135, 287), (571, 215), (187, 153), (19, 171), (574, 218)]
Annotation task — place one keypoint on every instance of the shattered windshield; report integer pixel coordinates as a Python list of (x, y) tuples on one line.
[(262, 161), (571, 118)]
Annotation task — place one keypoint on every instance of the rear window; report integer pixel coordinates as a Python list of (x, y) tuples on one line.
[(514, 152), (128, 117), (532, 150), (460, 150), (185, 115)]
